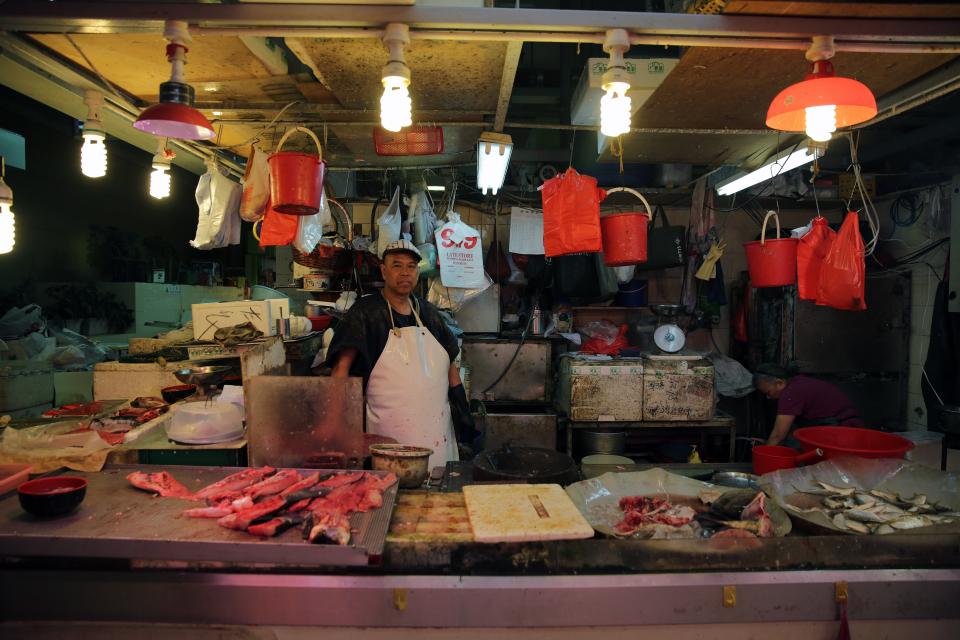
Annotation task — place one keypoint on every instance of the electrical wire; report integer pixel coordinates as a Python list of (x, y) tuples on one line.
[(869, 209), (759, 194)]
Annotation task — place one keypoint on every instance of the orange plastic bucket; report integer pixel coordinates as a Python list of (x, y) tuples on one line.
[(625, 234), (772, 263), (296, 178)]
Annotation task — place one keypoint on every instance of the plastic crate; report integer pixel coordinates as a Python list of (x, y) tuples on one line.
[(412, 141)]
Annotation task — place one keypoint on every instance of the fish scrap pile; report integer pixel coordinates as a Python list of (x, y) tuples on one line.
[(875, 512), (732, 515), (114, 428), (265, 502)]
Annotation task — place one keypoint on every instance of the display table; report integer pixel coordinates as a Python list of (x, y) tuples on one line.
[(721, 424)]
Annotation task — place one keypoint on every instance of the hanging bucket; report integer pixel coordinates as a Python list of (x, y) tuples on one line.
[(772, 263), (296, 178), (625, 234)]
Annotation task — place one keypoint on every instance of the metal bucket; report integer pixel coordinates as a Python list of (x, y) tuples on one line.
[(605, 442)]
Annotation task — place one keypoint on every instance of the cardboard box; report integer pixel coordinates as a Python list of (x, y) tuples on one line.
[(209, 317)]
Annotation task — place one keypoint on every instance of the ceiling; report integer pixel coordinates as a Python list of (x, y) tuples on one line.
[(468, 86)]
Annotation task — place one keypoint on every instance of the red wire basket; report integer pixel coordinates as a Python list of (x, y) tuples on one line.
[(412, 141)]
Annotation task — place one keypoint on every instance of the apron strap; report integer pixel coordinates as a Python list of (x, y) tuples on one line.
[(414, 306)]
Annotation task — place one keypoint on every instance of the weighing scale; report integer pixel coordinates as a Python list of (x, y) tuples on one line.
[(201, 419), (668, 336)]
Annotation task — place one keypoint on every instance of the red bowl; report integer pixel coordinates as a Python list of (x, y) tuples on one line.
[(53, 496), (321, 323)]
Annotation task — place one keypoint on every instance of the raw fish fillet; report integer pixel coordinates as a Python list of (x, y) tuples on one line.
[(733, 533), (306, 483), (242, 519), (273, 485), (274, 526), (220, 510), (232, 483), (161, 483)]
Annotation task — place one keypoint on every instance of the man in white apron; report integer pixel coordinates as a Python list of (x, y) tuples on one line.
[(402, 348)]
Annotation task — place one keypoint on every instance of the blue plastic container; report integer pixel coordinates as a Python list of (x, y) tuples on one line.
[(632, 294)]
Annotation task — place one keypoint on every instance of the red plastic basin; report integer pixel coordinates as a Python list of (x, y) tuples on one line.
[(852, 441), (770, 457)]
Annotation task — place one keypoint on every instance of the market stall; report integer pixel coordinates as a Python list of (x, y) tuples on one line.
[(522, 320)]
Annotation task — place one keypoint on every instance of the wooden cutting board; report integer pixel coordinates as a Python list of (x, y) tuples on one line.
[(420, 516), (518, 512)]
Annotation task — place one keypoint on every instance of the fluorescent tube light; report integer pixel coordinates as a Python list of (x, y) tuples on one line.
[(783, 163), (436, 187), (493, 157)]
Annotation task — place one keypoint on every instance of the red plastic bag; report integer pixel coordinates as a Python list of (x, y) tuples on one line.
[(278, 229), (601, 346), (842, 274), (811, 252), (571, 214)]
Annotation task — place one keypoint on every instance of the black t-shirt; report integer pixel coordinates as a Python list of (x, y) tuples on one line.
[(367, 325)]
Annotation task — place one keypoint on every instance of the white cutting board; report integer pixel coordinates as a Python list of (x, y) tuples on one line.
[(518, 512)]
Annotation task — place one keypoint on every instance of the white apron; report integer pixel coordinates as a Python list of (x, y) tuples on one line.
[(407, 392)]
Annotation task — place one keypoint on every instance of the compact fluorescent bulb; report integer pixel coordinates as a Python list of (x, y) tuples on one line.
[(778, 166), (7, 223), (160, 182), (493, 157), (93, 155)]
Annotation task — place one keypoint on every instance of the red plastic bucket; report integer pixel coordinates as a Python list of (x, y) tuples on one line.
[(852, 441), (772, 263), (296, 178), (771, 457), (625, 234)]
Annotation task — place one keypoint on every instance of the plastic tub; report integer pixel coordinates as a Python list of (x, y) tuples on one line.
[(927, 447), (852, 441), (632, 294)]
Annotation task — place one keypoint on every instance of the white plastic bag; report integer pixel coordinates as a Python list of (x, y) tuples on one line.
[(625, 274), (388, 225), (461, 254), (310, 228), (453, 298), (256, 186), (218, 200)]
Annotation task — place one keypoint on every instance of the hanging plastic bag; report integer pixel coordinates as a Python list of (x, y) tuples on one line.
[(842, 275), (571, 214), (453, 298), (428, 262), (256, 186), (811, 252), (278, 229), (218, 201), (388, 225), (625, 274), (461, 254), (601, 346), (310, 228)]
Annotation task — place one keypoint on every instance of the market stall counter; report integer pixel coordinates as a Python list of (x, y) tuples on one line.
[(125, 555)]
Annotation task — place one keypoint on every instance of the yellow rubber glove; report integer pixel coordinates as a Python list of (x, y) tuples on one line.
[(708, 270)]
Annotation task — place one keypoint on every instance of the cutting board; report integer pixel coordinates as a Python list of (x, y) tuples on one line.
[(519, 512), (421, 516)]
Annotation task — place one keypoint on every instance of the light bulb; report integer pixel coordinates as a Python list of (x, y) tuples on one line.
[(7, 225), (395, 105), (160, 182), (821, 122), (615, 110), (93, 155)]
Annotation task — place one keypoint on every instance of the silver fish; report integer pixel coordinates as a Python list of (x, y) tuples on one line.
[(835, 502), (910, 522), (884, 529), (840, 491), (889, 497), (858, 527), (866, 516)]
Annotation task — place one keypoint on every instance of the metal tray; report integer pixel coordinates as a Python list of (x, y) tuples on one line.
[(118, 521)]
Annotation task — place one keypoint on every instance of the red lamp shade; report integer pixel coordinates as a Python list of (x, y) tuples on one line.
[(173, 120), (855, 102)]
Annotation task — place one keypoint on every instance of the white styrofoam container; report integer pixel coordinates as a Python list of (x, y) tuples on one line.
[(645, 74), (208, 317), (601, 391), (123, 381)]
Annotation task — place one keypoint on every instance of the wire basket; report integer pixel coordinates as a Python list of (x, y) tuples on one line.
[(412, 141)]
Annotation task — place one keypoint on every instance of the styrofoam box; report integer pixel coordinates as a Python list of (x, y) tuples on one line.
[(122, 380), (645, 74), (209, 317)]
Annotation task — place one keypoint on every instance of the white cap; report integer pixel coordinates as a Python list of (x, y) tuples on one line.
[(401, 245)]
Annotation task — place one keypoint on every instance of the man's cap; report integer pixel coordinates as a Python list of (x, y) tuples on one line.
[(398, 246)]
